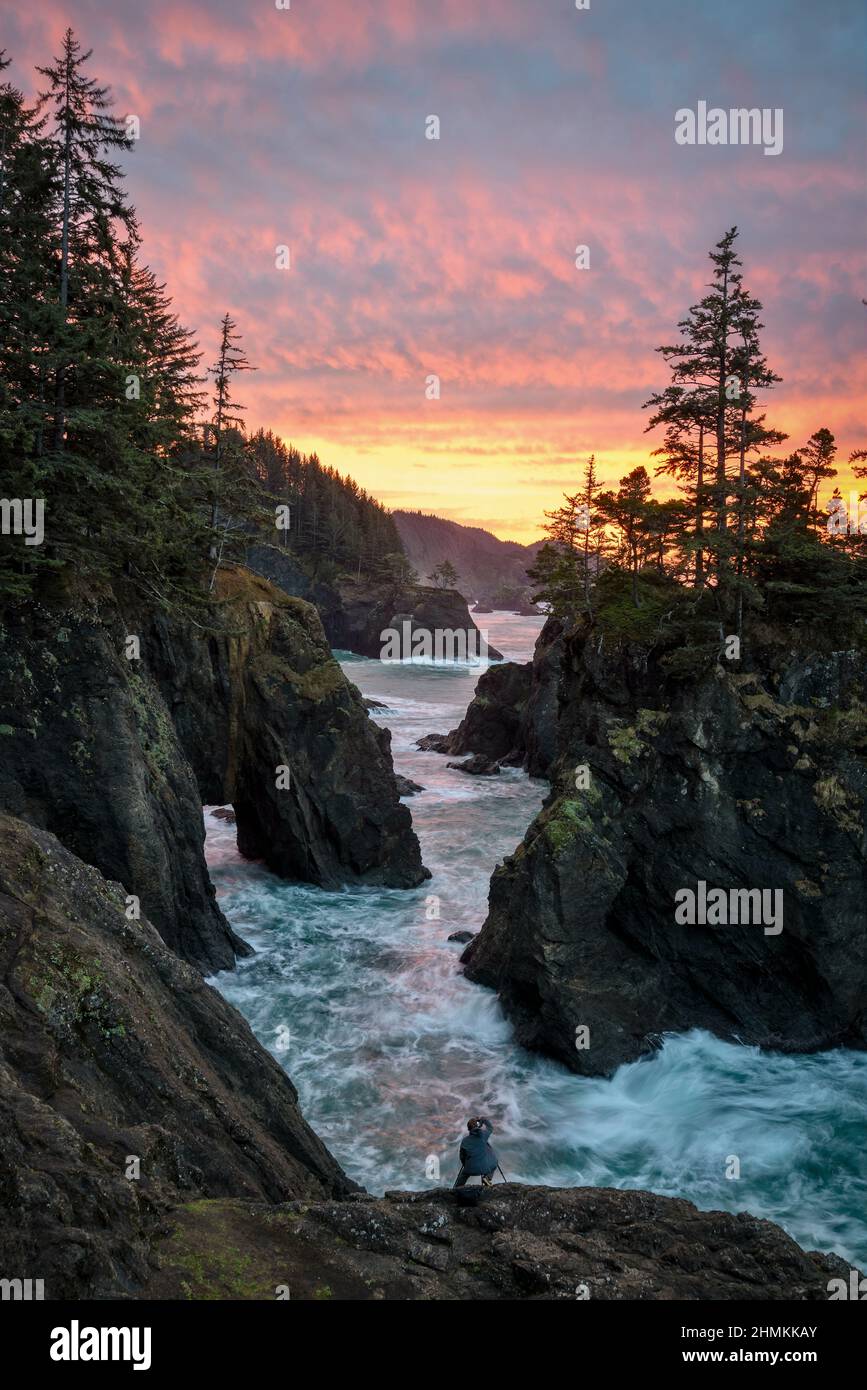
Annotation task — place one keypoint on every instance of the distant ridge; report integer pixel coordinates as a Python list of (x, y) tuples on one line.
[(484, 563)]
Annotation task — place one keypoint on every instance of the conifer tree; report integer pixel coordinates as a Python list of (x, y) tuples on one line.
[(444, 575), (93, 203), (569, 561), (28, 318), (231, 495), (719, 366), (688, 416)]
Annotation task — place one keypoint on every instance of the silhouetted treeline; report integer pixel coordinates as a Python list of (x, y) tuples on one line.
[(99, 383), (331, 521), (140, 461), (749, 540)]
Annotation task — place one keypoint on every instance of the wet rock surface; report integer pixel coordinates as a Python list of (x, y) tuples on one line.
[(407, 787), (114, 1052), (127, 1084), (477, 766), (535, 1243), (513, 716), (116, 755), (742, 780)]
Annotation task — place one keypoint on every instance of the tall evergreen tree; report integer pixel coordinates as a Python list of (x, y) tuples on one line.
[(231, 496), (719, 365), (28, 316), (688, 416), (93, 202), (567, 565), (627, 510)]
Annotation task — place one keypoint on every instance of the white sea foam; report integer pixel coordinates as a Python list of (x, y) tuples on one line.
[(391, 1047)]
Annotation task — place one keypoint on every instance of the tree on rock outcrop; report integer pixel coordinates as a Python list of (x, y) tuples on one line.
[(444, 575)]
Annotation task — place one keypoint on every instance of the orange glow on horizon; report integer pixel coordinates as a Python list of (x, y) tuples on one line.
[(486, 493), (410, 257)]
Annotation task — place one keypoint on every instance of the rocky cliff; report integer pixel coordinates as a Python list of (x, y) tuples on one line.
[(88, 751), (149, 1146), (127, 1084), (355, 613), (115, 753), (262, 693), (742, 780), (513, 715)]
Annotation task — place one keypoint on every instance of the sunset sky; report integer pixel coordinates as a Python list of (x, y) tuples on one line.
[(409, 257)]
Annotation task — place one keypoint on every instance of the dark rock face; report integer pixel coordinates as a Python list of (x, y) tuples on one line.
[(738, 781), (462, 936), (112, 1048), (264, 693), (354, 615), (407, 787), (282, 569), (493, 723), (537, 1243), (512, 717), (477, 766), (149, 1147), (88, 751), (540, 721), (433, 743), (368, 611), (116, 756)]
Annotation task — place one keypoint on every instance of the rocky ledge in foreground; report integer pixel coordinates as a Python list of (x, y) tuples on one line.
[(537, 1243)]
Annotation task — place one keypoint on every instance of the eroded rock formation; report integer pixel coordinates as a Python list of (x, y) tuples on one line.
[(117, 755), (150, 1147), (355, 613), (264, 692), (741, 779)]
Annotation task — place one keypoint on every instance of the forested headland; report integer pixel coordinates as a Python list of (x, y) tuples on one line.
[(138, 453), (147, 470), (749, 541)]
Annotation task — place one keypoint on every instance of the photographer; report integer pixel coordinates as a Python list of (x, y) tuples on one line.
[(477, 1157)]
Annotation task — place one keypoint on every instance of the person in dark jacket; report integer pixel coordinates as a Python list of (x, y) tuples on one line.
[(477, 1157)]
